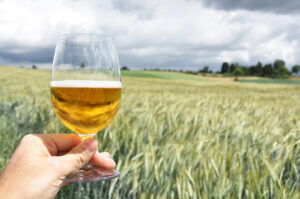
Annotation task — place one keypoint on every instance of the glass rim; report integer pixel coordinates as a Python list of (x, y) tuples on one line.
[(85, 38)]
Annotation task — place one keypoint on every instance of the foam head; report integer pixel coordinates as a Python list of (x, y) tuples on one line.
[(86, 84)]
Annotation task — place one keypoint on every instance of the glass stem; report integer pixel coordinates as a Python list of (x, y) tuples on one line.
[(88, 165), (85, 136)]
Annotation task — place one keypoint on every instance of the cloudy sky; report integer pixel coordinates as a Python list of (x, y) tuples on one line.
[(175, 34)]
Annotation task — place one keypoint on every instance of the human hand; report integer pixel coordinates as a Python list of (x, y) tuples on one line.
[(37, 170)]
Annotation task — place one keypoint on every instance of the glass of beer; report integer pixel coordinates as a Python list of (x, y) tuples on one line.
[(86, 91)]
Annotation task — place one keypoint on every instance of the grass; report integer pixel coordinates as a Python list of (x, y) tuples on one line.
[(175, 138)]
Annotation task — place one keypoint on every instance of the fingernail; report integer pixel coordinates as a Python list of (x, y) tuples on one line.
[(90, 144), (106, 154)]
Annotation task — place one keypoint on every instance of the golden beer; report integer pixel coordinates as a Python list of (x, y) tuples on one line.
[(85, 107)]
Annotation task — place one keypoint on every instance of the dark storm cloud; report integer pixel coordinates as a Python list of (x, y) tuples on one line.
[(139, 8), (146, 62), (42, 55), (127, 5), (168, 60), (180, 34), (276, 6)]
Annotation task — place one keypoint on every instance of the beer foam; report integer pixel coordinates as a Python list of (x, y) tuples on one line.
[(86, 84)]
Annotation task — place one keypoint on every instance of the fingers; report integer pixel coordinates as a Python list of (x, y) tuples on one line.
[(56, 143), (103, 160), (79, 152), (78, 156)]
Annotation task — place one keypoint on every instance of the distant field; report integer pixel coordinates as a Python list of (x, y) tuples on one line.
[(209, 77), (159, 75), (272, 81), (174, 137)]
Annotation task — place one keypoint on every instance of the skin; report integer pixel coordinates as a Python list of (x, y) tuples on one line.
[(37, 168)]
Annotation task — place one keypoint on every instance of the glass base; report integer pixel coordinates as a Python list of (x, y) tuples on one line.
[(92, 174)]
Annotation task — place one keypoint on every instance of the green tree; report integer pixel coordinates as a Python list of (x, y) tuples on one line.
[(267, 70), (245, 69), (225, 68), (278, 63), (204, 70), (295, 69), (125, 68), (233, 66), (283, 72), (251, 70), (258, 68), (82, 65), (238, 72)]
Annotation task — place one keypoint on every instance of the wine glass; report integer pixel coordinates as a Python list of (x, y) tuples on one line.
[(86, 91)]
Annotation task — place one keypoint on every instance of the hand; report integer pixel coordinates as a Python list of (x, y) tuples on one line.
[(37, 170)]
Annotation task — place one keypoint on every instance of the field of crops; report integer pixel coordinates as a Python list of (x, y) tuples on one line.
[(175, 138)]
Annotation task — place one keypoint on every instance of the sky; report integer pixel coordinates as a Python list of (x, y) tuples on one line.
[(176, 34)]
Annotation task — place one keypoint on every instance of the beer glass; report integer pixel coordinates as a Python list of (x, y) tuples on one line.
[(86, 91)]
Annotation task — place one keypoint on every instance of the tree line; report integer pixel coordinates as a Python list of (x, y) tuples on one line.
[(275, 70)]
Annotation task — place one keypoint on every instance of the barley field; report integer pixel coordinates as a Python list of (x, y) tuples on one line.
[(175, 138)]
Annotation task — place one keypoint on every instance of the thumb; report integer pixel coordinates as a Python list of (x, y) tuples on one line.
[(78, 156)]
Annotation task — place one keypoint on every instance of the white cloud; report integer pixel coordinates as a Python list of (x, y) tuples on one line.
[(152, 33)]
